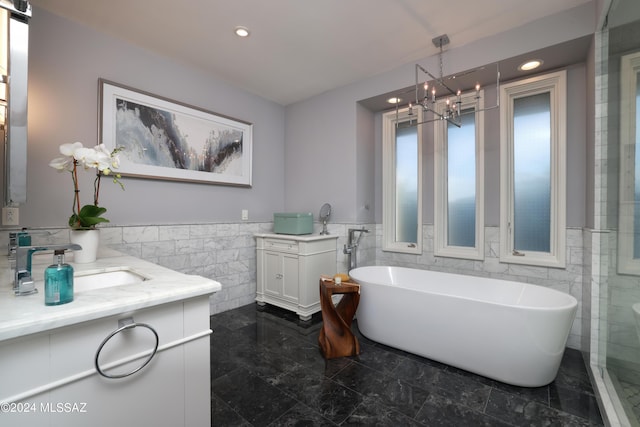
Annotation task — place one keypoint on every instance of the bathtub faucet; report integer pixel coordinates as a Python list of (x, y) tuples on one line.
[(350, 249)]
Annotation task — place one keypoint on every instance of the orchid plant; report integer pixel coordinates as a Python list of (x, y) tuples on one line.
[(98, 158)]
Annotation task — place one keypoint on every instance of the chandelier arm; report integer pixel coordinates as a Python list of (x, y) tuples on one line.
[(440, 117), (411, 124), (437, 79)]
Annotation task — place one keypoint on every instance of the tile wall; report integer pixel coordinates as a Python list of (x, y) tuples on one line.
[(226, 252)]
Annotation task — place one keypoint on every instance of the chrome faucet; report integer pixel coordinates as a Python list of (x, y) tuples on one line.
[(350, 249), (22, 237), (23, 283)]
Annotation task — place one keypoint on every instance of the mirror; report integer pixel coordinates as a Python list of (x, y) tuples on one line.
[(14, 41), (325, 213)]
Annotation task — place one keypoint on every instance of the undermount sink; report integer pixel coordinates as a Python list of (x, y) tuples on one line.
[(107, 279)]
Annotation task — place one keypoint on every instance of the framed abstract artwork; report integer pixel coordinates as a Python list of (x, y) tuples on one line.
[(166, 139)]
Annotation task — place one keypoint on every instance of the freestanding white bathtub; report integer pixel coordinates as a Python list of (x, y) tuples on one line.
[(509, 331)]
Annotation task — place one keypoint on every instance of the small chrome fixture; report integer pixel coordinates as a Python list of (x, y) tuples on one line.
[(429, 91), (350, 249)]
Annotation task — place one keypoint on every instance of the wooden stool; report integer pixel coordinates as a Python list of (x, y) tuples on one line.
[(336, 338)]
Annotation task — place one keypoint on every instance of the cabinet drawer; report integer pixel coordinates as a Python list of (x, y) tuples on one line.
[(281, 245), (73, 349)]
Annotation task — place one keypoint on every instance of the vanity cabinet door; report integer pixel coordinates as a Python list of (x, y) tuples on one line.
[(24, 365), (281, 275), (291, 278)]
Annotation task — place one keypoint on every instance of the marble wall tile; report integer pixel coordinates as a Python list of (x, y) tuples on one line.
[(174, 232), (158, 248), (226, 252), (139, 234)]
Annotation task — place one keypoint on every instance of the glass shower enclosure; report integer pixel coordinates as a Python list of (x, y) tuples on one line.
[(614, 248)]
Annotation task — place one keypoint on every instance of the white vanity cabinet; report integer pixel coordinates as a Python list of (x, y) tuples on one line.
[(50, 377), (289, 268)]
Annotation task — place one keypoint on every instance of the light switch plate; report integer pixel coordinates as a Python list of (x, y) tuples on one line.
[(245, 214)]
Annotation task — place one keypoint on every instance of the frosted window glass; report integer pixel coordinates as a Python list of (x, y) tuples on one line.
[(407, 184), (461, 183), (636, 212), (532, 173)]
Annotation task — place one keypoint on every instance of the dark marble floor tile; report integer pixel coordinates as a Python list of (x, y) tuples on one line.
[(537, 394), (251, 397), (267, 369), (417, 373), (327, 397), (378, 358), (459, 388), (393, 392), (569, 379), (301, 415), (223, 416), (333, 366), (463, 390), (304, 353), (520, 412), (232, 320), (442, 411), (577, 403), (371, 412)]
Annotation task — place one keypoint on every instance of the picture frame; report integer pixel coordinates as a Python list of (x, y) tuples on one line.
[(165, 139)]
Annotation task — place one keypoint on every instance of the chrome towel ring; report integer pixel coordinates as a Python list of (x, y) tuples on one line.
[(125, 324)]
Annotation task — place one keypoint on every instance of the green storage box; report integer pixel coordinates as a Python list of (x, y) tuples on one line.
[(293, 223)]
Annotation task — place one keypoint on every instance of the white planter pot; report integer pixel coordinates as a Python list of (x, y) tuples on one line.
[(89, 240)]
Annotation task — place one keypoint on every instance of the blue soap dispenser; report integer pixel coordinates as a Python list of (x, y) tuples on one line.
[(58, 281)]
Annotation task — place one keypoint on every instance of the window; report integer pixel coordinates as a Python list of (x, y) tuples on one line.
[(402, 181), (629, 222), (459, 183), (533, 171)]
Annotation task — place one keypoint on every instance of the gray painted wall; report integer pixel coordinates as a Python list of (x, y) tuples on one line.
[(324, 132), (323, 149), (66, 60)]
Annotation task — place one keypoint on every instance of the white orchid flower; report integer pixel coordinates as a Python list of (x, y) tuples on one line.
[(101, 148), (62, 164), (115, 157), (92, 159), (66, 163), (70, 149)]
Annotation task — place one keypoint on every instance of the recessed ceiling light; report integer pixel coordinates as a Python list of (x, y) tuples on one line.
[(530, 65), (394, 100), (241, 31)]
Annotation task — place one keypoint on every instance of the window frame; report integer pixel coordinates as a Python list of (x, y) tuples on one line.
[(629, 72), (389, 120), (441, 177), (555, 84)]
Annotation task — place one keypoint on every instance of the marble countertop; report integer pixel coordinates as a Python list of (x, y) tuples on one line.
[(23, 315)]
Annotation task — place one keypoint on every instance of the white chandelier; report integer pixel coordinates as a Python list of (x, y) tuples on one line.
[(428, 91)]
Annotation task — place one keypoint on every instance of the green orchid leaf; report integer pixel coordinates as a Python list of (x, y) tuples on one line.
[(88, 217)]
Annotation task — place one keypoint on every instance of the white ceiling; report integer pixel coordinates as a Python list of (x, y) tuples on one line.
[(300, 48)]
